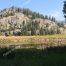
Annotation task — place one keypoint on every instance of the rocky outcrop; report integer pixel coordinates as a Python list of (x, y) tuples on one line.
[(15, 18)]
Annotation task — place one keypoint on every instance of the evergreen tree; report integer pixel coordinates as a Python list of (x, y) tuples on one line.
[(33, 29), (23, 23), (46, 17), (49, 17), (64, 7), (64, 10)]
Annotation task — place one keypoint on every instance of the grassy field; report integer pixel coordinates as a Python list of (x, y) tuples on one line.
[(49, 40), (53, 56), (32, 57)]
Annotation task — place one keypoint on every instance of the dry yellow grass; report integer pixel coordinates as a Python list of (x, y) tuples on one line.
[(46, 40)]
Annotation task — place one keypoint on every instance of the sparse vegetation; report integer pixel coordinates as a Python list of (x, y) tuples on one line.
[(23, 22)]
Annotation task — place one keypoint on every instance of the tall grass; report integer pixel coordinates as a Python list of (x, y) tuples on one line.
[(49, 40)]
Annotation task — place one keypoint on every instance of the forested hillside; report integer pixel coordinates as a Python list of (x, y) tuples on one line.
[(17, 21)]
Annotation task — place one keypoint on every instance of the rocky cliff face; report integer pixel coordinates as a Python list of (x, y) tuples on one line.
[(15, 19)]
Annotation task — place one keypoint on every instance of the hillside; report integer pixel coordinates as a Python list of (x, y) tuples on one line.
[(17, 21)]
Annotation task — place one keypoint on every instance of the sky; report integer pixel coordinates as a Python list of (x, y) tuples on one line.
[(47, 7)]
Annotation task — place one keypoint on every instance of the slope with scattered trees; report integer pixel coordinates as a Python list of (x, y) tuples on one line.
[(18, 21)]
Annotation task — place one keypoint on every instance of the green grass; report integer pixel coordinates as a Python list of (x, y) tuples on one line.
[(33, 57)]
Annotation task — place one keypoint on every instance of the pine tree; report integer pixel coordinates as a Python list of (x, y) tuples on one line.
[(46, 17), (64, 10)]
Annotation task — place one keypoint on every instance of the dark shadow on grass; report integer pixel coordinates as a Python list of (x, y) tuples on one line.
[(53, 56)]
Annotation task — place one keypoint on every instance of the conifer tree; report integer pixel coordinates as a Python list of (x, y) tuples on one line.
[(64, 10)]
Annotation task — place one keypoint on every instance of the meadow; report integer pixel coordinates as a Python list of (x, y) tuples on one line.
[(47, 40), (48, 50), (34, 57)]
